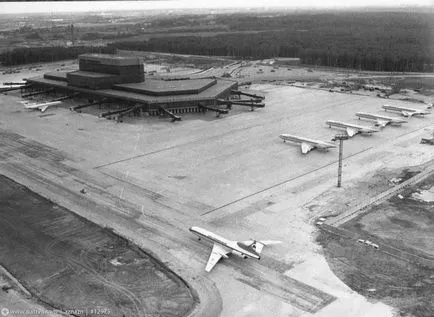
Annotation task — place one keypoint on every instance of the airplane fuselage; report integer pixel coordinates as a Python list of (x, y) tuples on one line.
[(43, 105), (379, 117), (298, 139), (405, 111), (215, 238), (345, 125)]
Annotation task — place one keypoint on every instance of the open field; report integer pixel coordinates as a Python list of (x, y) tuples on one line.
[(378, 276), (150, 180), (70, 264), (405, 223), (400, 272)]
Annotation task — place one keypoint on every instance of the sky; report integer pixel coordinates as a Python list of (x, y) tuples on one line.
[(94, 6)]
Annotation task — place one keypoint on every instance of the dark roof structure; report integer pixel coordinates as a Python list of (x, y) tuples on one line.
[(122, 79), (218, 90)]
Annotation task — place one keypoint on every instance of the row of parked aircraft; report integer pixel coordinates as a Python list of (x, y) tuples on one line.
[(381, 121)]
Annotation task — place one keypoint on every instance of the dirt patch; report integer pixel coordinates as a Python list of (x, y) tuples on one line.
[(380, 276), (403, 224), (403, 221), (68, 263)]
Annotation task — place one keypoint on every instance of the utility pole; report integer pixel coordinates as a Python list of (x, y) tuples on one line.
[(341, 138), (72, 34)]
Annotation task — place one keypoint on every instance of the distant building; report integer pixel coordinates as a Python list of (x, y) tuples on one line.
[(290, 61)]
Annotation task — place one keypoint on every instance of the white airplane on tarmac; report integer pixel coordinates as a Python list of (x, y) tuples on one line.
[(222, 247), (380, 121), (42, 106), (307, 144), (407, 112), (352, 129)]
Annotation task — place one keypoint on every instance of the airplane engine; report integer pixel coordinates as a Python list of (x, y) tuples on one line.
[(241, 255)]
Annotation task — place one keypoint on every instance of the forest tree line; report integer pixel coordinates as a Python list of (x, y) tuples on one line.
[(27, 55), (379, 41), (377, 54)]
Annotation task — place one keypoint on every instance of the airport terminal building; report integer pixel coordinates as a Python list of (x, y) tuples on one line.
[(121, 80)]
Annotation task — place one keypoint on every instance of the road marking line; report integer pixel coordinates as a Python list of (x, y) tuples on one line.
[(122, 192), (137, 142)]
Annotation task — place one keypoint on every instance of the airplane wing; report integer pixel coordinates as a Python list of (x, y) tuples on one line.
[(306, 147), (324, 146), (43, 108), (217, 253), (407, 113), (351, 132)]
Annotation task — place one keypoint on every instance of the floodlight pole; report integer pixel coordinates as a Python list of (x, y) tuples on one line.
[(341, 145), (341, 139)]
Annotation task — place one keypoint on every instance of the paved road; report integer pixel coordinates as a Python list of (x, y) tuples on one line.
[(49, 172)]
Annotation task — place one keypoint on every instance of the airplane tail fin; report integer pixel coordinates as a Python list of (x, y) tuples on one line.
[(306, 147), (351, 132), (381, 124), (259, 245)]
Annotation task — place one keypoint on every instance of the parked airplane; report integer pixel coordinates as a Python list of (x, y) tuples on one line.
[(42, 106), (380, 121), (55, 102), (307, 144), (222, 247), (407, 112), (352, 129)]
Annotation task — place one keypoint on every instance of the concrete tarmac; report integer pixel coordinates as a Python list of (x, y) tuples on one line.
[(151, 179)]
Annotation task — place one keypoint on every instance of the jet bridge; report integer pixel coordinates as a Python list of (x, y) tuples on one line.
[(241, 93), (217, 110), (170, 114), (251, 104)]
